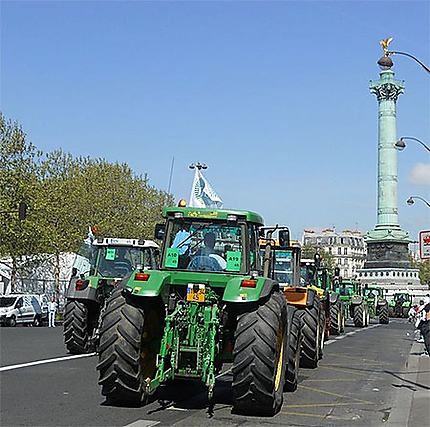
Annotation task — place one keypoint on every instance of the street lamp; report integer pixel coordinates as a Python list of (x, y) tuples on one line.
[(385, 61), (198, 165), (400, 144), (411, 201)]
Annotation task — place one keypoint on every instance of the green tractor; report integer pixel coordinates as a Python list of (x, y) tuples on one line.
[(356, 306), (400, 305), (378, 305), (100, 264), (210, 302)]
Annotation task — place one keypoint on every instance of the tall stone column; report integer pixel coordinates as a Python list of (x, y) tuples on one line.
[(387, 244)]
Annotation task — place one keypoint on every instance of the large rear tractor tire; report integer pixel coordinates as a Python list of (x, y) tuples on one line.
[(260, 358), (127, 355), (293, 350), (311, 335), (360, 316), (76, 327), (336, 319), (383, 315)]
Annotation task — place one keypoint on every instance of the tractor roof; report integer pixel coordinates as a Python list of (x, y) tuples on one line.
[(113, 241), (209, 213)]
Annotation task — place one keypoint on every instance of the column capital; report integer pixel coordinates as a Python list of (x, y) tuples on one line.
[(386, 88)]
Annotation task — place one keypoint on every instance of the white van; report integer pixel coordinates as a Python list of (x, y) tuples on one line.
[(20, 308)]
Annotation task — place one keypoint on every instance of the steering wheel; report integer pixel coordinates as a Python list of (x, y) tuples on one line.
[(204, 263)]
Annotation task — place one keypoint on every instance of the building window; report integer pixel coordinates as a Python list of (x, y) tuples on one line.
[(339, 251), (370, 274), (329, 250), (339, 261), (365, 274), (345, 251), (387, 273)]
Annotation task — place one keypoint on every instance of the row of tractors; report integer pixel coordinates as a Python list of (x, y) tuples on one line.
[(223, 289)]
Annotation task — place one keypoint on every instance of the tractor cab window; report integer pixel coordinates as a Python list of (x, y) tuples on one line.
[(371, 293), (283, 272), (346, 289), (254, 252), (118, 261), (307, 275), (205, 246)]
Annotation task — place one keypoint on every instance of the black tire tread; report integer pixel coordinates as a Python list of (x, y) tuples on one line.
[(76, 327), (310, 318), (254, 356), (294, 346), (358, 316), (383, 315), (119, 351)]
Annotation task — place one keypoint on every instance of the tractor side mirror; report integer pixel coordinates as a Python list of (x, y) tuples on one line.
[(337, 271), (160, 231), (284, 238), (261, 233)]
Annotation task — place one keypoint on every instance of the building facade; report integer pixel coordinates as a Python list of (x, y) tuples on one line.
[(347, 247)]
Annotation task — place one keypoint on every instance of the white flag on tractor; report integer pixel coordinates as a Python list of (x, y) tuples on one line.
[(202, 193)]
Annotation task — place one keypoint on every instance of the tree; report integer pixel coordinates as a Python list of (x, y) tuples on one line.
[(19, 182), (423, 267), (327, 259)]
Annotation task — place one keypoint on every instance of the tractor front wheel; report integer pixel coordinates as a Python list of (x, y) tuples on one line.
[(76, 327), (311, 335), (336, 319), (293, 351), (260, 358), (360, 316), (383, 315)]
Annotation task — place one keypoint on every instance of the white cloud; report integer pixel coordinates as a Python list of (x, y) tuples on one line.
[(420, 174)]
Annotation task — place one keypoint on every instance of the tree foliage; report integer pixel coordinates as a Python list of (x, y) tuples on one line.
[(327, 259), (66, 195)]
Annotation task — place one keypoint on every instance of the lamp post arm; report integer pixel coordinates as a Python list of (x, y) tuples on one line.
[(423, 200), (416, 139), (411, 56)]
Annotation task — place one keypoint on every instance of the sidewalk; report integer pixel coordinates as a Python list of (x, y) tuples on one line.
[(420, 409), (412, 408)]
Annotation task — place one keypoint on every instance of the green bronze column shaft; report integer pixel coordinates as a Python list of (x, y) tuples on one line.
[(387, 91)]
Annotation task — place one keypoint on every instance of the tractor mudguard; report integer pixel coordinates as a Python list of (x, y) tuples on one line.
[(356, 300), (89, 293), (334, 298), (381, 302), (155, 284), (235, 292)]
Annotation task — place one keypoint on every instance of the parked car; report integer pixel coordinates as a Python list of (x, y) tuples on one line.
[(20, 308)]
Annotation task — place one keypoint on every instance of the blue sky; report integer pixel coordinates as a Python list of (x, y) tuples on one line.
[(273, 96)]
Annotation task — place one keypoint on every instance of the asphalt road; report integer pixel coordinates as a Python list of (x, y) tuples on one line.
[(360, 381)]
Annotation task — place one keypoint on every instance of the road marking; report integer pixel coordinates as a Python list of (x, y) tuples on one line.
[(175, 408), (42, 362), (328, 417), (348, 371), (328, 380), (329, 342), (143, 423), (320, 405), (306, 387)]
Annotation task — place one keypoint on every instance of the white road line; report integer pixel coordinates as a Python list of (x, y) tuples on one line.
[(42, 362), (143, 423), (329, 342)]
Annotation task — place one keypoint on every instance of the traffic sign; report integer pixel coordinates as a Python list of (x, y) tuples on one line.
[(425, 244)]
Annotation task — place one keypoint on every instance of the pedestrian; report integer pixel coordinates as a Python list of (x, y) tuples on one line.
[(411, 314), (418, 319), (52, 308), (423, 323)]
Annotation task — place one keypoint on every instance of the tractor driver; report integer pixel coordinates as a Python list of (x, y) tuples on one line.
[(200, 262)]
